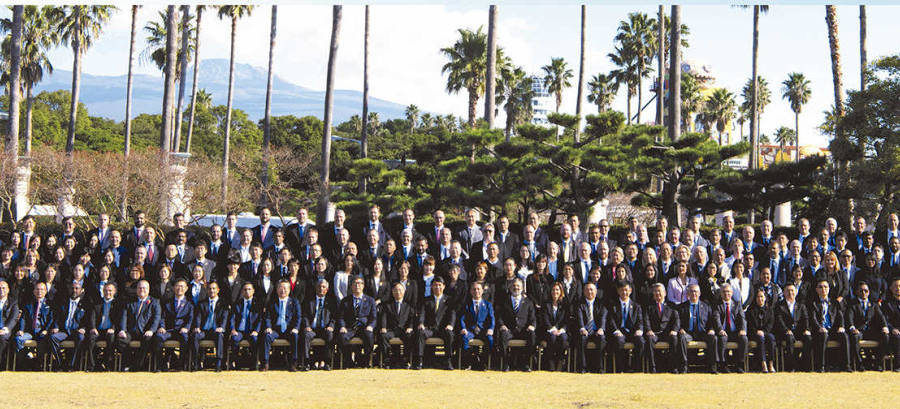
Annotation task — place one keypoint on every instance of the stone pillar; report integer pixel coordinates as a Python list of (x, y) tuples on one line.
[(782, 215), (178, 199), (23, 182), (597, 212)]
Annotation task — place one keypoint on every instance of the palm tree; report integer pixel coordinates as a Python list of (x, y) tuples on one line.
[(863, 52), (182, 74), (763, 98), (204, 99), (580, 75), (719, 108), (128, 86), (468, 65), (412, 116), (556, 78), (234, 13), (364, 132), (490, 74), (784, 136), (625, 75), (691, 100), (187, 142), (602, 91), (516, 95), (325, 192), (165, 138), (78, 27), (742, 117), (797, 91), (835, 48), (660, 52), (267, 121), (636, 36), (427, 121), (14, 81)]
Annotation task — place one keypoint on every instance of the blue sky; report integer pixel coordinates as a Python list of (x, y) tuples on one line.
[(405, 40)]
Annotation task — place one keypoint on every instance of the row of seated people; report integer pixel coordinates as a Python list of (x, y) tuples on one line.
[(567, 326)]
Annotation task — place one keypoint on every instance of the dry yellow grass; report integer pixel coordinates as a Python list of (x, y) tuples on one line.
[(438, 389)]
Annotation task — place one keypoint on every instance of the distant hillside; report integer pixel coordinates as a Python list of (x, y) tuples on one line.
[(105, 95)]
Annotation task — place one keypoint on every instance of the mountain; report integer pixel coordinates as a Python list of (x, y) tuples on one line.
[(105, 95)]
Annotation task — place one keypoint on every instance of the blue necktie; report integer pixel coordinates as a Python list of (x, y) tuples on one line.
[(282, 322), (827, 318), (210, 319), (104, 322), (624, 314), (244, 316), (319, 313), (693, 317)]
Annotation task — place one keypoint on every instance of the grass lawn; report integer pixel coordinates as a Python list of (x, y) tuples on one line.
[(371, 388)]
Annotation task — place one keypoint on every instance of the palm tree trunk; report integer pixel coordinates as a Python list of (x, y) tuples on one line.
[(834, 45), (128, 84), (325, 192), (168, 115), (491, 71), (640, 94), (754, 102), (15, 88), (29, 105), (76, 87), (670, 189), (267, 121), (862, 47), (661, 66), (364, 137), (473, 104), (187, 142), (182, 76), (797, 135), (628, 105), (580, 75), (228, 114)]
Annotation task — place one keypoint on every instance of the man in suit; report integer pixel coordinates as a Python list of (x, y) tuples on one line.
[(791, 325), (121, 253), (171, 259), (217, 248), (231, 233), (135, 234), (508, 241), (396, 319), (72, 320), (891, 310), (698, 322), (417, 259), (590, 321), (529, 240), (662, 324), (603, 234), (434, 236), (245, 323), (210, 322), (318, 322), (102, 231), (437, 317), (540, 234), (250, 269), (866, 321), (336, 254), (409, 224), (104, 317), (470, 234), (372, 250), (696, 223), (480, 250), (37, 322), (577, 235), (328, 235), (456, 258), (584, 263), (264, 232), (140, 320), (155, 250), (884, 235), (625, 323), (177, 317), (295, 234), (732, 326), (855, 238), (9, 316), (179, 225), (476, 321), (356, 318), (516, 318), (375, 224), (208, 265), (283, 318), (777, 266), (568, 247), (68, 230), (278, 244), (185, 251), (826, 321)]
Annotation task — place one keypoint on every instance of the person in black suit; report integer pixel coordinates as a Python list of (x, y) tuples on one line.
[(408, 224), (436, 318), (9, 316), (826, 322), (104, 317), (662, 324), (760, 322), (230, 283), (179, 269), (319, 322), (177, 317), (791, 325), (625, 323), (553, 326), (698, 321), (396, 319), (179, 225), (246, 322), (72, 321), (37, 322), (283, 320), (264, 232), (470, 233), (732, 327), (296, 234), (866, 321), (250, 269), (372, 250), (891, 310), (140, 320), (210, 322), (356, 318), (590, 318), (509, 242), (374, 224), (516, 318), (219, 248)]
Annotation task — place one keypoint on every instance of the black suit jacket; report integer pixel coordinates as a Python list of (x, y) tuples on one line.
[(582, 314), (784, 321), (9, 316), (393, 319), (891, 310), (516, 321), (138, 318), (220, 314), (559, 320), (864, 319), (96, 315), (329, 313), (737, 316), (293, 238), (383, 235), (633, 322), (759, 318), (817, 318), (510, 246), (350, 318), (705, 319), (230, 292), (174, 320), (292, 316), (661, 323), (437, 319)]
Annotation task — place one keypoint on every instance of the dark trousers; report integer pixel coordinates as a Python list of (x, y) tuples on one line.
[(557, 345), (870, 334), (368, 340), (504, 336), (108, 353), (57, 339), (4, 343), (134, 360), (765, 347), (479, 335), (217, 337), (442, 333), (617, 349), (581, 342), (711, 346), (385, 346), (290, 335), (739, 354), (326, 335), (650, 345), (819, 342), (894, 348), (791, 359), (183, 339), (236, 341)]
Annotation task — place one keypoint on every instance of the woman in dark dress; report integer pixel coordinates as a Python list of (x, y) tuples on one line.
[(760, 320), (554, 320)]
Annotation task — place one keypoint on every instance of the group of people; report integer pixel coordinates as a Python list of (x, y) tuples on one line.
[(636, 301)]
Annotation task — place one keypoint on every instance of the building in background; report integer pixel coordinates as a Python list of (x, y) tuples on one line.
[(541, 103)]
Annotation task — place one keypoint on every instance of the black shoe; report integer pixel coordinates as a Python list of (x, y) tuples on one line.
[(326, 367), (723, 368), (292, 367), (527, 368), (582, 371), (264, 367), (712, 370), (505, 368), (449, 366), (739, 369)]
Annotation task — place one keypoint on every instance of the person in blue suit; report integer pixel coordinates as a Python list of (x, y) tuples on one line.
[(476, 322), (210, 322), (72, 322), (246, 322), (177, 317), (140, 320), (37, 322), (282, 321), (356, 318)]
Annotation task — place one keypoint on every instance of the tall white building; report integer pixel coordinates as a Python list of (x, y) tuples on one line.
[(541, 103)]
